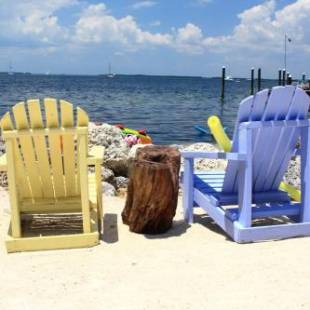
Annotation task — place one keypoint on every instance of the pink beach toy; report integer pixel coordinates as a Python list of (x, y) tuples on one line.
[(131, 140)]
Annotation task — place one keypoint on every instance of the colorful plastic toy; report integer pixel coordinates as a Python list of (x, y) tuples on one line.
[(141, 135)]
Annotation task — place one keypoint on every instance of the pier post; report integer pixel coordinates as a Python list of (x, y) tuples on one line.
[(259, 79), (283, 77), (279, 77), (289, 79), (252, 81), (223, 82)]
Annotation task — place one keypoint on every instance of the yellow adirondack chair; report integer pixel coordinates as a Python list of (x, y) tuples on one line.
[(47, 163)]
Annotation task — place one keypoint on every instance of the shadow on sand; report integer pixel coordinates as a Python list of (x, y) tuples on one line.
[(178, 228), (110, 228), (208, 222)]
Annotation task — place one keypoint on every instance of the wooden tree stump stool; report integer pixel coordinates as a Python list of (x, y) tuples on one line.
[(152, 190)]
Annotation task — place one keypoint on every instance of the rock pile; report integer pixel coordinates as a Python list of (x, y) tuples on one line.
[(292, 175), (204, 163), (118, 156), (116, 149), (3, 175)]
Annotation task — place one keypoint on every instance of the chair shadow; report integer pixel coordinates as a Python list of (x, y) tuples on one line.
[(207, 222), (178, 228), (110, 228)]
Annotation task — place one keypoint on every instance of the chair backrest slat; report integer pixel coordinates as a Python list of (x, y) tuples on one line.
[(41, 150), (251, 108), (272, 147), (51, 114), (46, 161), (82, 118), (24, 186), (68, 146), (244, 113), (299, 110), (265, 152), (27, 150), (82, 121)]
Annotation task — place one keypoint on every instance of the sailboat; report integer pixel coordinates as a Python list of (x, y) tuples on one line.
[(110, 74), (10, 72)]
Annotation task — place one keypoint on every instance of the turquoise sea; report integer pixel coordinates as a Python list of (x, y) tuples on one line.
[(167, 106)]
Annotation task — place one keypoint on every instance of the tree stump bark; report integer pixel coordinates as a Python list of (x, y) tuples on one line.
[(152, 190)]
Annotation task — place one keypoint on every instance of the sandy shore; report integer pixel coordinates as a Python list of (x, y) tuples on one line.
[(188, 268)]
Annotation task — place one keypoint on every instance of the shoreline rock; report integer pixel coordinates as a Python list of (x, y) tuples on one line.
[(118, 156), (204, 163), (116, 149)]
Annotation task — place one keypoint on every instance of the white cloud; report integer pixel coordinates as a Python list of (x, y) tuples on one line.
[(260, 28), (143, 4), (96, 25), (34, 19), (118, 53), (204, 2), (155, 23), (189, 39)]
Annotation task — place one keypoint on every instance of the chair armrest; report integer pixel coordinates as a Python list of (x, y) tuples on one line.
[(214, 155), (3, 163), (95, 155)]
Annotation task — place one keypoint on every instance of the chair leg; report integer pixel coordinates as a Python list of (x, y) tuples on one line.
[(15, 212), (16, 224), (99, 197), (305, 174), (245, 179), (188, 190)]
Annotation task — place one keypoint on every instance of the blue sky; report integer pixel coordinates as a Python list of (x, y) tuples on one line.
[(193, 37)]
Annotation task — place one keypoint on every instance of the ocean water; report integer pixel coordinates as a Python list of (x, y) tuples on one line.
[(168, 107)]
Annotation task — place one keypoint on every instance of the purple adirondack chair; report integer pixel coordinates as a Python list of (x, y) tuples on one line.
[(268, 128)]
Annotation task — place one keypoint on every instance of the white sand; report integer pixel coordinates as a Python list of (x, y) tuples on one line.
[(187, 268)]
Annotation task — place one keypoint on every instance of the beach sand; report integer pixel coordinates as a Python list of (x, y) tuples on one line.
[(193, 267)]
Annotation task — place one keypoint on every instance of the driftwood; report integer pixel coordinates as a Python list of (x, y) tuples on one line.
[(152, 190)]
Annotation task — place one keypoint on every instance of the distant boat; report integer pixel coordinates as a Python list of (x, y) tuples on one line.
[(229, 78), (10, 72), (110, 74)]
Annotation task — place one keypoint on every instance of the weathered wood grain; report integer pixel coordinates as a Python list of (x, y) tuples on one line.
[(152, 190)]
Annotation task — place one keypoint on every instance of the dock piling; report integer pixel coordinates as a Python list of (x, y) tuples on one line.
[(283, 77), (259, 79), (289, 79), (280, 77), (252, 81), (223, 82)]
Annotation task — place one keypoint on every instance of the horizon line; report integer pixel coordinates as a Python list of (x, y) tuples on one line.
[(125, 74)]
